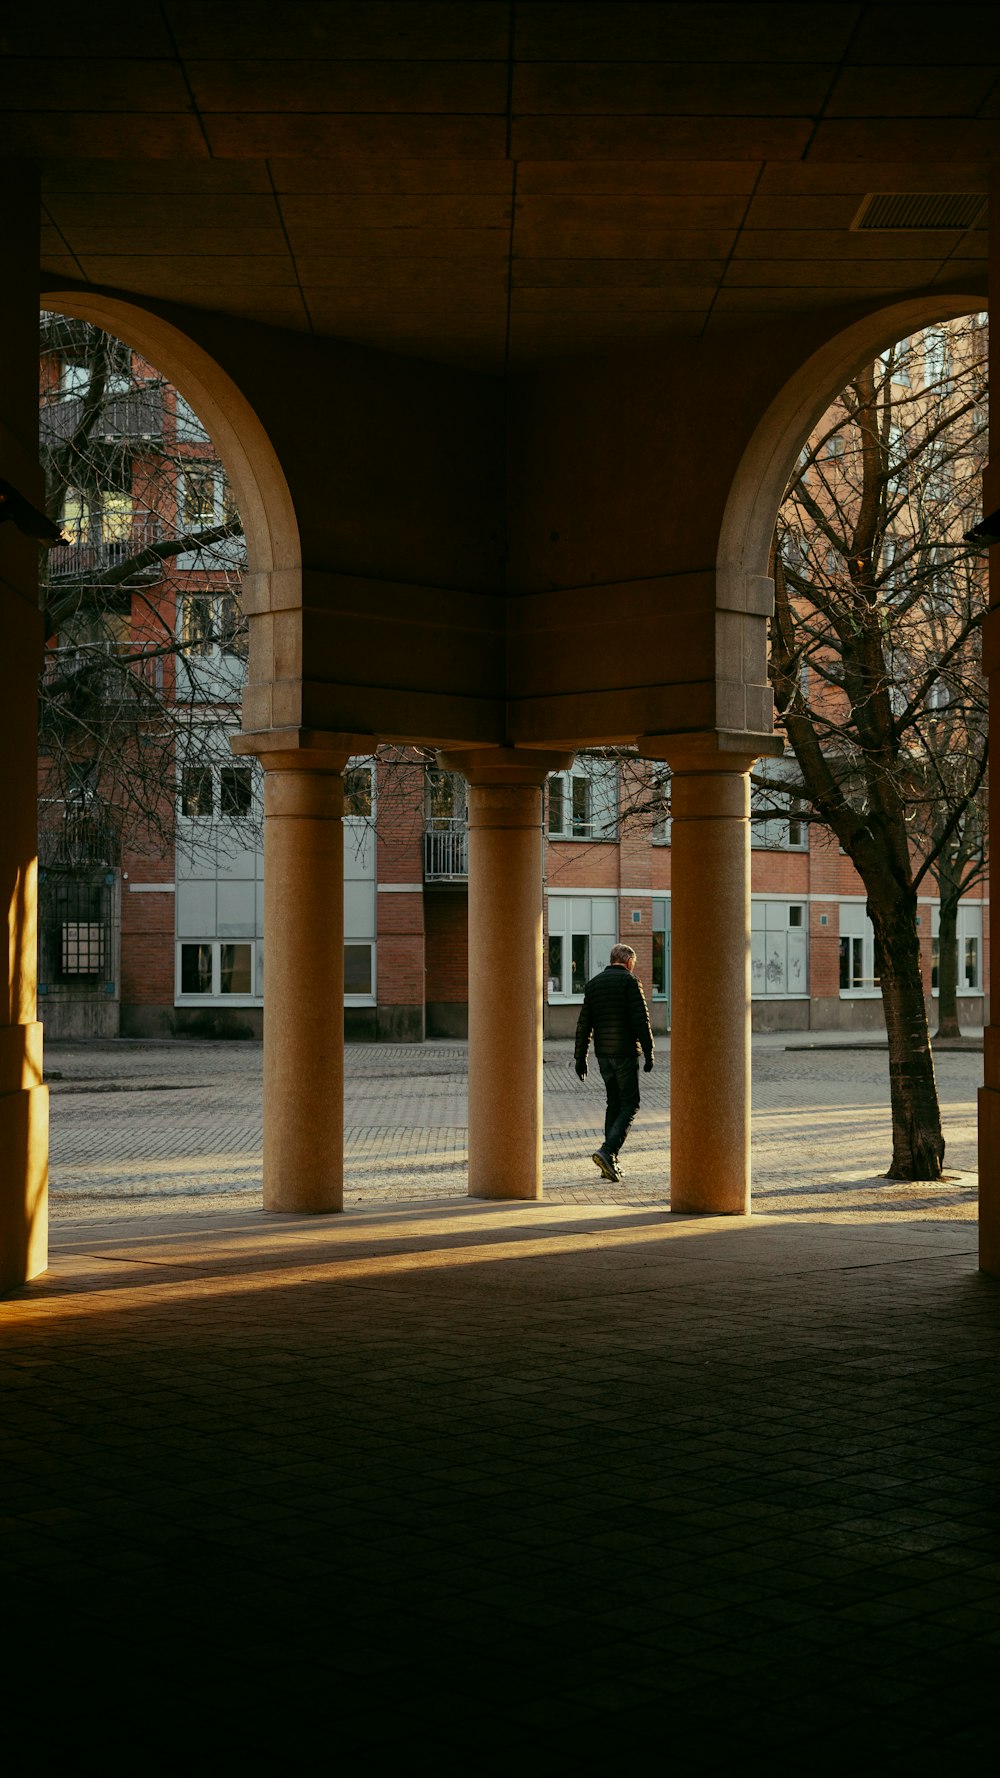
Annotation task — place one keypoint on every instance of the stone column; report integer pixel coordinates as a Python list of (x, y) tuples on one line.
[(303, 976), (506, 973), (710, 981), (23, 1098)]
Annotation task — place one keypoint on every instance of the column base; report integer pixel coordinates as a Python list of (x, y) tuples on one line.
[(704, 1201), (989, 1180), (503, 1196), (24, 1197)]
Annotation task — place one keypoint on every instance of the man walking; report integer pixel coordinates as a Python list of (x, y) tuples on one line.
[(614, 1009)]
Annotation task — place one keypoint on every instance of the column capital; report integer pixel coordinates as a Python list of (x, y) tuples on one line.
[(488, 767), (713, 752), (302, 749)]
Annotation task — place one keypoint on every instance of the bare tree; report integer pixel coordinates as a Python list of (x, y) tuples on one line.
[(875, 668), (144, 660)]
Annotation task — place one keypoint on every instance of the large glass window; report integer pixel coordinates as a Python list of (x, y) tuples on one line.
[(582, 930), (779, 957), (212, 969)]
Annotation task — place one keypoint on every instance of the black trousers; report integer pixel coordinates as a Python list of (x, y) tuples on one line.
[(621, 1082)]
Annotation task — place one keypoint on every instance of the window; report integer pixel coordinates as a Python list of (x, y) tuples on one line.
[(896, 360), (777, 817), (235, 969), (358, 790), (196, 791), (204, 503), (196, 969), (189, 428), (235, 791), (358, 969), (213, 623), (198, 497), (779, 953), (445, 799), (82, 948), (660, 791), (582, 930), (208, 790), (214, 970), (116, 518), (74, 379), (75, 517), (937, 360), (857, 951), (583, 803), (661, 948), (970, 947)]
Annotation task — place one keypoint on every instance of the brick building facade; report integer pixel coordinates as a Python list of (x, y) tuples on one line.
[(181, 951)]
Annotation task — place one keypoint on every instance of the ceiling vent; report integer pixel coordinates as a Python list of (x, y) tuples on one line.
[(921, 209)]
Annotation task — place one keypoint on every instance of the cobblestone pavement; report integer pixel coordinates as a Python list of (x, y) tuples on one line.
[(156, 1127)]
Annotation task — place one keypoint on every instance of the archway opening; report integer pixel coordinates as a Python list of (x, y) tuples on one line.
[(875, 667)]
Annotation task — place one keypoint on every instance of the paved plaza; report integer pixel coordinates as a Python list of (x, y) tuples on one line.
[(472, 1488), (160, 1127)]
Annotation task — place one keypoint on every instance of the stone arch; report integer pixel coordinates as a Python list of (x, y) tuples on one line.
[(766, 464), (250, 460)]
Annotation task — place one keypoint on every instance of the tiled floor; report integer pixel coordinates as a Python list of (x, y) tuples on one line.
[(474, 1488)]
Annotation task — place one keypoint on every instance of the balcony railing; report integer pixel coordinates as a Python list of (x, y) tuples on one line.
[(80, 559), (100, 666), (446, 853), (130, 413), (84, 836)]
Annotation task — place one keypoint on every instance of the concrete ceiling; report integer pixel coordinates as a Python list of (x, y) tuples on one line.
[(491, 183)]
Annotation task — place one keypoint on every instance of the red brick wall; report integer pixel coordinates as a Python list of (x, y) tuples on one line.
[(147, 947), (447, 938), (400, 949)]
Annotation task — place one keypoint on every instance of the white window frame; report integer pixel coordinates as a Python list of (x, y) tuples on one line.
[(779, 947), (229, 552), (855, 927), (215, 996), (572, 916), (216, 767), (363, 763), (600, 824), (371, 998), (660, 922), (970, 930), (772, 832)]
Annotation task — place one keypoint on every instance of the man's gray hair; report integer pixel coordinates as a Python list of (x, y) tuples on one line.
[(622, 954)]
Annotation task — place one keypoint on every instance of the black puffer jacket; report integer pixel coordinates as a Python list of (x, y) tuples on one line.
[(614, 1009)]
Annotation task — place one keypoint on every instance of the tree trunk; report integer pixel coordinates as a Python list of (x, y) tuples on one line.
[(948, 1025), (917, 1142)]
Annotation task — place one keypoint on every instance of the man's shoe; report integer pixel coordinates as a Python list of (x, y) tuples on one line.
[(603, 1160)]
